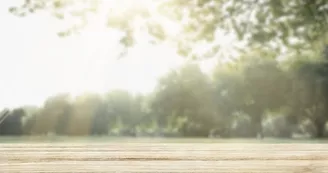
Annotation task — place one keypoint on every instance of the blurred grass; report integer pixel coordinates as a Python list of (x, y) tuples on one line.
[(106, 139)]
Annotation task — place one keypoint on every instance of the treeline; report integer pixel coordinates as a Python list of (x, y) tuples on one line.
[(244, 98)]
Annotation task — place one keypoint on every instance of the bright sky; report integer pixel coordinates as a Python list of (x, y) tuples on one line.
[(35, 63)]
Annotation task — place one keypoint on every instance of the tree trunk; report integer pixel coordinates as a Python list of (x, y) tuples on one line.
[(320, 128), (257, 130)]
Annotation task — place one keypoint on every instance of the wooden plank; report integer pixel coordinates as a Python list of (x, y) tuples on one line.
[(164, 157)]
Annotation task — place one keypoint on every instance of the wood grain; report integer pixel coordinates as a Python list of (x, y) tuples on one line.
[(164, 157)]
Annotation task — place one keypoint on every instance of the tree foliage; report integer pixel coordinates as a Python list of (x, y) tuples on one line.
[(297, 24), (186, 93), (238, 96), (240, 99)]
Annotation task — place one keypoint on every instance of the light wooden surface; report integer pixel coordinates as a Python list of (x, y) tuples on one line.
[(164, 157)]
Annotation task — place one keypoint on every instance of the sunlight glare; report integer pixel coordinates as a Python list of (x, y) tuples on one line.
[(41, 64)]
